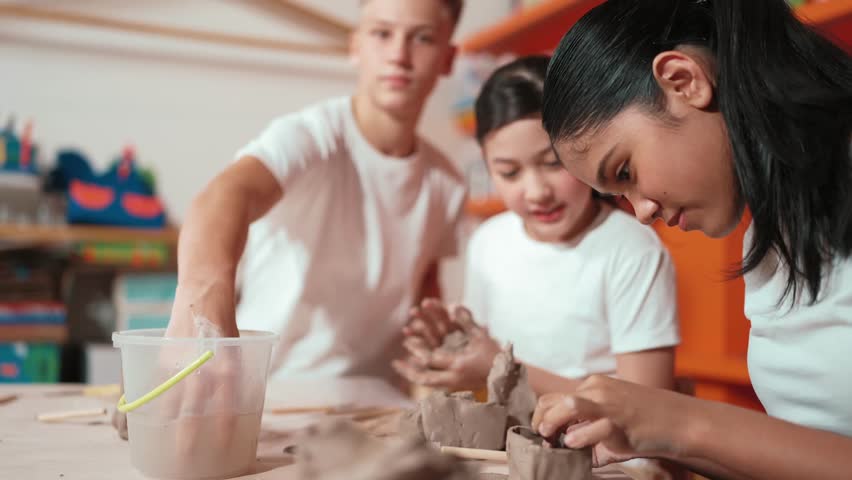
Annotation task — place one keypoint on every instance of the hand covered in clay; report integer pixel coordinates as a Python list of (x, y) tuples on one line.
[(203, 403), (463, 369), (431, 322), (619, 419)]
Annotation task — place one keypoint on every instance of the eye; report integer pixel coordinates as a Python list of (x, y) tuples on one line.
[(381, 33), (509, 174), (425, 38), (623, 173)]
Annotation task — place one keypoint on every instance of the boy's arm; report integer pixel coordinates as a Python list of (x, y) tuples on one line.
[(212, 240)]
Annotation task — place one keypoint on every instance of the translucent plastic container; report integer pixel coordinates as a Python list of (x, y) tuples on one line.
[(206, 425)]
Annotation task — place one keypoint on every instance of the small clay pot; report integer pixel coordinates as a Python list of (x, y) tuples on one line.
[(458, 420), (530, 459)]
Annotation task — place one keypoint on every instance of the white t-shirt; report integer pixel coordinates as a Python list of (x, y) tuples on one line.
[(335, 265), (800, 359), (570, 308)]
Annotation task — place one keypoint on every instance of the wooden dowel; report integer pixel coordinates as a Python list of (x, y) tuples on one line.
[(302, 410), (69, 414), (371, 413), (476, 453), (32, 13), (328, 21), (4, 399)]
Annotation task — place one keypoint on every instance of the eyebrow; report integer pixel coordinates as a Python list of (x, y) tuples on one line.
[(603, 166), (378, 22), (537, 154), (544, 151), (504, 160)]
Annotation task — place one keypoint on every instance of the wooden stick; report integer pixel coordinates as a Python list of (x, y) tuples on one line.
[(89, 391), (69, 414), (4, 399), (371, 413), (476, 453), (24, 11), (302, 410), (342, 28)]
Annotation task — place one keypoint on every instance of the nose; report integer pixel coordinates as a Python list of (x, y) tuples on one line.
[(537, 190), (646, 209), (400, 50)]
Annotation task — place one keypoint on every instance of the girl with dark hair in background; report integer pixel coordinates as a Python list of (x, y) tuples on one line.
[(694, 110), (579, 287)]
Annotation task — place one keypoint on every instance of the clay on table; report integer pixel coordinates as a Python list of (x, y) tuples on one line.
[(532, 458), (458, 420), (337, 450), (508, 385)]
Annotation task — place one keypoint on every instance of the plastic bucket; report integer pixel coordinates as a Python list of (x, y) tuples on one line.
[(193, 404)]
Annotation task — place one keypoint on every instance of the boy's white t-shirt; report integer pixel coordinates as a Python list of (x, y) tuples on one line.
[(335, 265), (570, 308), (800, 355)]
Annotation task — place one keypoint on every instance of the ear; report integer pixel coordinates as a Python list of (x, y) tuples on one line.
[(450, 60), (683, 80)]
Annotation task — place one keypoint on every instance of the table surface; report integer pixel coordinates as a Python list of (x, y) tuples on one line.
[(90, 449)]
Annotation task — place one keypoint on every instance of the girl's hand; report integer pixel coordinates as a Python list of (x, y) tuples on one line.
[(430, 321), (466, 369), (620, 420)]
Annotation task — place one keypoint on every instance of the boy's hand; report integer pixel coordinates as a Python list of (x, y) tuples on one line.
[(211, 396), (466, 369)]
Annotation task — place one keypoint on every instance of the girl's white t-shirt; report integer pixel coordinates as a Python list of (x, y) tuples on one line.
[(570, 308), (335, 265), (800, 355)]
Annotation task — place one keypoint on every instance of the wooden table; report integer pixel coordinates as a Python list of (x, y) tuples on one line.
[(90, 449)]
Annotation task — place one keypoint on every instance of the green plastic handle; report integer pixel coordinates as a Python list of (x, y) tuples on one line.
[(124, 407)]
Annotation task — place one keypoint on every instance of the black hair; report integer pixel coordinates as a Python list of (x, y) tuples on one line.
[(513, 92), (785, 94)]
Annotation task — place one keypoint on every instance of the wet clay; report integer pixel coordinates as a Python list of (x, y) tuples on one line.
[(508, 385), (337, 450), (532, 458), (455, 341), (456, 420)]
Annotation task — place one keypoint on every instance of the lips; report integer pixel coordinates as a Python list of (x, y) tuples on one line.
[(548, 215), (397, 81)]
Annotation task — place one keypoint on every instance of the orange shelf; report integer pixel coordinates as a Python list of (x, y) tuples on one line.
[(832, 18), (42, 235), (712, 368), (484, 207), (539, 28), (534, 29)]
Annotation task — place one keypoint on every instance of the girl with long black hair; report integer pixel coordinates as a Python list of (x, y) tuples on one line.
[(695, 110)]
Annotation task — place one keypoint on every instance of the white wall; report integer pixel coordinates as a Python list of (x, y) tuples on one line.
[(187, 106)]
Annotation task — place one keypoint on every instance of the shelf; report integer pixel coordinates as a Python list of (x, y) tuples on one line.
[(483, 208), (39, 235), (832, 18), (714, 368), (534, 29), (539, 28)]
